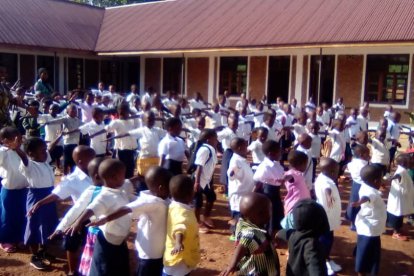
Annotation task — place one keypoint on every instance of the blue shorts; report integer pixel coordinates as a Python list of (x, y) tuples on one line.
[(368, 254)]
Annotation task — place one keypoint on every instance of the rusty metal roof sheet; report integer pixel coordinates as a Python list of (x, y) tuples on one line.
[(51, 24), (206, 24)]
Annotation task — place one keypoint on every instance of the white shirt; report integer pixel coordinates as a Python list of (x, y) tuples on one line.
[(380, 152), (86, 111), (288, 118), (196, 104), (206, 158), (322, 183), (148, 139), (268, 171), (309, 166), (192, 136), (38, 174), (257, 153), (295, 110), (363, 122), (215, 119), (69, 124), (172, 147), (108, 201), (97, 143), (370, 220), (241, 182), (13, 179), (273, 132), (73, 185), (353, 127), (401, 197), (298, 130), (123, 127), (355, 167), (52, 130), (394, 130), (226, 135), (316, 145), (338, 145), (245, 127), (151, 212)]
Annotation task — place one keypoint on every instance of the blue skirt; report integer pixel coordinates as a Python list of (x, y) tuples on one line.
[(351, 212), (12, 215), (43, 223), (368, 254)]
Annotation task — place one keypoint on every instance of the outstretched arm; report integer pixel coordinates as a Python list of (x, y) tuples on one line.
[(115, 215), (240, 252)]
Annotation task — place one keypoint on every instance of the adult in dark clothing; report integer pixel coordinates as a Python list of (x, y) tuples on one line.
[(42, 86), (306, 254)]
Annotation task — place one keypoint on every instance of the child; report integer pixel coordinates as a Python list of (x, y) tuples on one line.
[(30, 123), (13, 193), (394, 131), (327, 196), (182, 245), (92, 128), (295, 184), (71, 137), (370, 222), (240, 178), (305, 251), (126, 146), (41, 180), (256, 146), (206, 160), (316, 145), (338, 143), (172, 150), (71, 186), (380, 151), (110, 254), (150, 209), (304, 145), (273, 127), (267, 180), (255, 253), (400, 199)]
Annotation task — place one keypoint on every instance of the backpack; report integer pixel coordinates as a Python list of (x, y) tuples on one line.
[(193, 154)]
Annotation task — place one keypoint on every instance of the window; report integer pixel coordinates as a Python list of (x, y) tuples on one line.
[(9, 61), (171, 77), (321, 83), (51, 64), (91, 73), (278, 79), (75, 76), (386, 79), (233, 75)]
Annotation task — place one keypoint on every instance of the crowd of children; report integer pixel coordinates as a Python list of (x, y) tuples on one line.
[(123, 160)]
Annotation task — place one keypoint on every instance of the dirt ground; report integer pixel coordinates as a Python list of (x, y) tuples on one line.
[(217, 250)]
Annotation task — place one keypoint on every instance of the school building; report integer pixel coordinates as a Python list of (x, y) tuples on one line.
[(361, 50)]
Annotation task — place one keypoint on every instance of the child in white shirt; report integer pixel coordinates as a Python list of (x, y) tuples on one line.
[(327, 195), (256, 146), (338, 143), (316, 145), (110, 254), (380, 150), (304, 145), (370, 222), (401, 197), (240, 177), (92, 128)]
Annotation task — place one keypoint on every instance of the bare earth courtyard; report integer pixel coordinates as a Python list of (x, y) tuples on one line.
[(217, 250)]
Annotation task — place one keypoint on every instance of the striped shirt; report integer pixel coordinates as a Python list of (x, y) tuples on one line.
[(261, 258)]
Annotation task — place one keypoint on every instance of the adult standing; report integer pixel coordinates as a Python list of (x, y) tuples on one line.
[(5, 97), (42, 86)]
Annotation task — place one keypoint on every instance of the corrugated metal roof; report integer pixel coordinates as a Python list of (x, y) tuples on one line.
[(50, 24), (205, 24)]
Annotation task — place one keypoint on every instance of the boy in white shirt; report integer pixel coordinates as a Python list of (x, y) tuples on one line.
[(273, 127), (256, 146), (394, 131), (401, 197), (316, 145), (267, 180), (338, 143), (360, 160), (370, 222), (327, 195), (380, 150), (110, 254), (304, 145), (150, 209), (240, 177), (205, 160), (92, 128)]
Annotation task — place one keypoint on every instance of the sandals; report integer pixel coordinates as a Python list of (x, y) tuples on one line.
[(8, 247), (397, 236)]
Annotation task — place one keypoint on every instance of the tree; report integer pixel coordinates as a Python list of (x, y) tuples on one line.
[(110, 3)]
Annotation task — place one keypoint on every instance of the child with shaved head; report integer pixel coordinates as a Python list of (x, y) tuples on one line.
[(255, 254)]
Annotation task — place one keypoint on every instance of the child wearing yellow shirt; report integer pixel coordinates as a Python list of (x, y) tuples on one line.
[(182, 246)]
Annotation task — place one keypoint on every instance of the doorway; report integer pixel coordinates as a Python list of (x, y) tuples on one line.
[(278, 78)]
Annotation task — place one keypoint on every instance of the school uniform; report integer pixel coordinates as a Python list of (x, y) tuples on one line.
[(257, 153), (274, 131), (267, 172), (363, 122), (393, 130), (350, 132), (400, 199), (354, 168), (308, 173), (192, 136), (13, 196), (110, 254), (196, 104), (214, 119), (295, 110), (73, 186), (86, 111), (315, 152), (338, 145), (125, 147), (380, 154), (206, 157), (173, 149), (51, 134), (370, 224), (245, 127), (298, 130), (224, 137), (41, 182), (285, 119), (148, 139), (333, 213), (97, 142)]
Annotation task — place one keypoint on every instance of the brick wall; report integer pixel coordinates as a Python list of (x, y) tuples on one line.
[(152, 73), (257, 77), (349, 79), (197, 77)]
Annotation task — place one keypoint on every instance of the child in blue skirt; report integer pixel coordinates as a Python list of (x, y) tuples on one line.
[(13, 193), (41, 180)]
